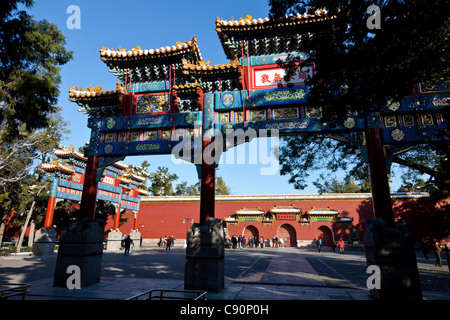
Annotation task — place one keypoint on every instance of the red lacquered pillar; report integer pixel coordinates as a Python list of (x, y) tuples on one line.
[(207, 186), (117, 218), (136, 220), (379, 183), (89, 196), (50, 210)]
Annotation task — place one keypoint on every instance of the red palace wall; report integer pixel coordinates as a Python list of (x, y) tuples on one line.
[(159, 216)]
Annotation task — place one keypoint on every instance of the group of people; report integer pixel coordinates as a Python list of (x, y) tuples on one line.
[(339, 244), (436, 248), (167, 242), (243, 242), (255, 242)]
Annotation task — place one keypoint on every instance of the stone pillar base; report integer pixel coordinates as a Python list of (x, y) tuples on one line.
[(114, 242), (81, 245), (392, 250), (44, 243), (135, 235), (205, 268)]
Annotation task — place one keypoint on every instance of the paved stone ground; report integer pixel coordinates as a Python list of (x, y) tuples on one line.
[(251, 274)]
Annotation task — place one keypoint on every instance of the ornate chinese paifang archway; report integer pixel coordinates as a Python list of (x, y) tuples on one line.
[(118, 185), (167, 95)]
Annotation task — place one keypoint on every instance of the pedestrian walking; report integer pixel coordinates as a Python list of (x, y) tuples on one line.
[(127, 242), (319, 244), (168, 244), (437, 253), (341, 245)]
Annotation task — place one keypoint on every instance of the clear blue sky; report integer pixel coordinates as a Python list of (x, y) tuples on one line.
[(152, 24)]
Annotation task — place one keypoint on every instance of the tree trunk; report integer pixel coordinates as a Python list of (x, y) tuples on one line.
[(31, 236), (30, 213), (3, 224)]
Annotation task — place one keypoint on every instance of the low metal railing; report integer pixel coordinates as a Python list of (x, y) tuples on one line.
[(162, 294), (8, 290)]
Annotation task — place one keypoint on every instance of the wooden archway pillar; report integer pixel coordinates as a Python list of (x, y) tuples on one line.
[(89, 196), (388, 247), (379, 183)]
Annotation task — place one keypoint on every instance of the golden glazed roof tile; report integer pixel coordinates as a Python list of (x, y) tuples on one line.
[(142, 191), (69, 152), (180, 47), (91, 92), (186, 86), (128, 174), (55, 165), (206, 66), (121, 165), (298, 18)]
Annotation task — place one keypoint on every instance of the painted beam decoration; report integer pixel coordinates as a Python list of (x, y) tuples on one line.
[(117, 185), (162, 90)]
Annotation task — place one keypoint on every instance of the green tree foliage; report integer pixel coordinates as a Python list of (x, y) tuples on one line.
[(358, 69), (20, 154), (31, 53), (161, 182), (348, 185), (426, 171), (221, 187), (301, 155), (183, 189), (21, 176)]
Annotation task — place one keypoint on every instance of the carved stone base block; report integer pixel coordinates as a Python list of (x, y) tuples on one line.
[(81, 245), (114, 242), (44, 243), (135, 235), (392, 250), (205, 268)]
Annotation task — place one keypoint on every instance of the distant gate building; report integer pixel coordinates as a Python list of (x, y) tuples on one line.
[(297, 219)]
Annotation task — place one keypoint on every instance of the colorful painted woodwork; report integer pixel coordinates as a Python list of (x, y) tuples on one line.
[(161, 90), (118, 184), (289, 212)]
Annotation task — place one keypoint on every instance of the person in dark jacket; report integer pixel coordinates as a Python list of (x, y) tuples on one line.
[(127, 242)]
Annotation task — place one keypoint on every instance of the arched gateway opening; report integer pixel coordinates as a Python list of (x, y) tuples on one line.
[(251, 231), (288, 234), (325, 234)]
